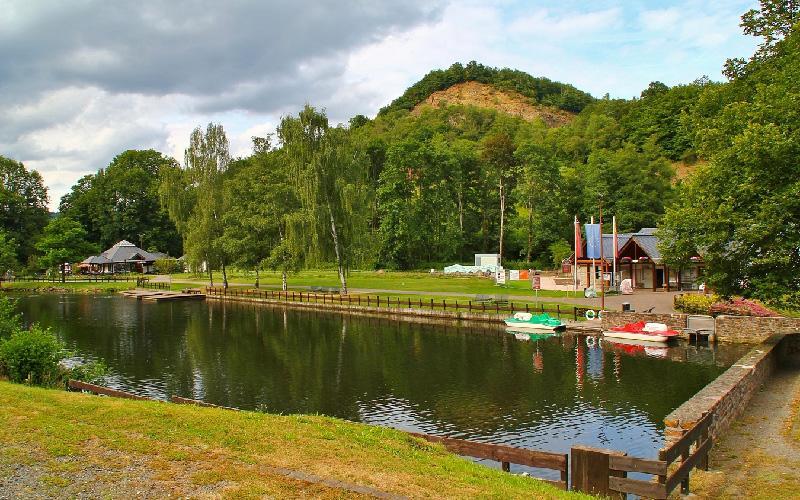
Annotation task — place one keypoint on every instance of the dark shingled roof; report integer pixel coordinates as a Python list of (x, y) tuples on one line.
[(122, 252)]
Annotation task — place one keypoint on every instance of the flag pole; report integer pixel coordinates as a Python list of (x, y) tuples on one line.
[(602, 263), (616, 248)]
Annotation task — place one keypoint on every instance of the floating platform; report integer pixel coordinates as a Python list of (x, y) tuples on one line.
[(161, 295)]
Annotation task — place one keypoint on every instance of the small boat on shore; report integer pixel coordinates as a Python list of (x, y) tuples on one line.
[(538, 322), (648, 332)]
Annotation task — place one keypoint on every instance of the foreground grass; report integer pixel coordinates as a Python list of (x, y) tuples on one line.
[(75, 444)]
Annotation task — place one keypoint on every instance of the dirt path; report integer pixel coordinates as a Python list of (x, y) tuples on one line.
[(759, 457)]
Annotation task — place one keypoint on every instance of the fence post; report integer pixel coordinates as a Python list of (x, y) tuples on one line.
[(431, 304), (589, 471)]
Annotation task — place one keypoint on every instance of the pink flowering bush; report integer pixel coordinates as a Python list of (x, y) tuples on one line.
[(741, 307)]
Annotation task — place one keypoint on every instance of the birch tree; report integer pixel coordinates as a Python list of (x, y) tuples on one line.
[(330, 178)]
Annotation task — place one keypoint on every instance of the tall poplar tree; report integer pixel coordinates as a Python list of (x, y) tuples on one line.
[(194, 198)]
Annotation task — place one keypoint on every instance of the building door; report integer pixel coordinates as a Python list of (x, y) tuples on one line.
[(659, 278)]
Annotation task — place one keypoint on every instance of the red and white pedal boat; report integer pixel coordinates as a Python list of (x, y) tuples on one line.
[(650, 332)]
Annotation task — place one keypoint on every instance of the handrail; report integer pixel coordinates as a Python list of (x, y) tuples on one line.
[(693, 447), (506, 455)]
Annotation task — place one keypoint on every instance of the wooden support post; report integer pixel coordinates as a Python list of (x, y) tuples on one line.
[(590, 471), (431, 304), (409, 302), (444, 304)]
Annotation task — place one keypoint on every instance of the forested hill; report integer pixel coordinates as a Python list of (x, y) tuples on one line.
[(539, 90)]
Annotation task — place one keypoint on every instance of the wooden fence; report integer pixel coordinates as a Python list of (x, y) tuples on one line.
[(483, 306), (604, 472), (589, 470), (506, 455), (146, 283), (72, 278)]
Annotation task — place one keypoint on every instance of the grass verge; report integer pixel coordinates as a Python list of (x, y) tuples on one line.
[(73, 444)]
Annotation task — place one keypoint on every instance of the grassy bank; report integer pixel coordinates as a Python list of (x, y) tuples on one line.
[(79, 287), (67, 444)]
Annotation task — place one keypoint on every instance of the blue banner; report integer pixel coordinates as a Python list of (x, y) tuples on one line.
[(592, 241)]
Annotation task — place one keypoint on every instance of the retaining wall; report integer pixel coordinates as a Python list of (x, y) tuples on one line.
[(750, 329), (728, 395), (617, 318), (416, 315)]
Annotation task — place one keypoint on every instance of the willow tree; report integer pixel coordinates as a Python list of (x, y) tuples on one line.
[(194, 198), (330, 178)]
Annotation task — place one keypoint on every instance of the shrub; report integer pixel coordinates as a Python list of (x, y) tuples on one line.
[(694, 303), (32, 356), (741, 307), (92, 372), (10, 320), (168, 266)]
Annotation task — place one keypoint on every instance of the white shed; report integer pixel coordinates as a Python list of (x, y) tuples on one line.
[(487, 259)]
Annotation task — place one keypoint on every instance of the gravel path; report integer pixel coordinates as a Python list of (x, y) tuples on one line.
[(757, 457)]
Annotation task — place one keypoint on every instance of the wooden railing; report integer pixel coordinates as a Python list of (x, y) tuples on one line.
[(72, 278), (497, 306), (77, 385), (155, 285), (611, 479), (506, 455)]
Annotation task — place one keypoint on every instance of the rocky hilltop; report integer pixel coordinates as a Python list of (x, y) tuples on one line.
[(484, 95)]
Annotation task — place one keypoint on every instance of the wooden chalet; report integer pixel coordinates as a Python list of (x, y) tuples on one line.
[(640, 261)]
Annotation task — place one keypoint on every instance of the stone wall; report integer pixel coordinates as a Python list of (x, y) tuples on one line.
[(728, 395), (397, 313), (736, 329), (616, 318), (750, 329)]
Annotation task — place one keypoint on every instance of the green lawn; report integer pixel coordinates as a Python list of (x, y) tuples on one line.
[(388, 280), (75, 444)]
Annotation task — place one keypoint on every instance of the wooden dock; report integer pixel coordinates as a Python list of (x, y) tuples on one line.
[(161, 295)]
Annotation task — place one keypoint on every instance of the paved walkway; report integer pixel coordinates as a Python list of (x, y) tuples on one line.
[(759, 457)]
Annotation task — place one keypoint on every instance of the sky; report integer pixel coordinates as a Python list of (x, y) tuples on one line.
[(85, 80)]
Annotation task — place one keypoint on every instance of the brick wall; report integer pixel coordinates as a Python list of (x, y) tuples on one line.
[(749, 329), (617, 318), (728, 395)]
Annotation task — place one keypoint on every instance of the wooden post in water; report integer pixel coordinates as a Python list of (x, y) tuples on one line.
[(589, 470)]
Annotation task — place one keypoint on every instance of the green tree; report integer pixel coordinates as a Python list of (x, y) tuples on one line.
[(64, 242), (739, 212), (8, 253), (194, 198), (260, 220), (772, 20), (122, 202), (498, 155), (23, 206), (330, 176)]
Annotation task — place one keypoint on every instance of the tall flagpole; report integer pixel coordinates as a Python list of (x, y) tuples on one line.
[(575, 229), (602, 263), (593, 282), (616, 247)]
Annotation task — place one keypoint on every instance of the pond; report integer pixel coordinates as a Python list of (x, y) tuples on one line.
[(472, 383)]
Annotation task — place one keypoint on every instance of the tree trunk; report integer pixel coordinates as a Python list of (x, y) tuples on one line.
[(63, 273), (224, 276), (284, 282), (256, 277), (502, 219), (210, 274), (336, 248)]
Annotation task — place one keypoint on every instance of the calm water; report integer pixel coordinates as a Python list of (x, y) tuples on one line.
[(476, 384)]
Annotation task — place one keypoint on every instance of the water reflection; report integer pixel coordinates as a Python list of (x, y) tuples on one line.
[(483, 385)]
